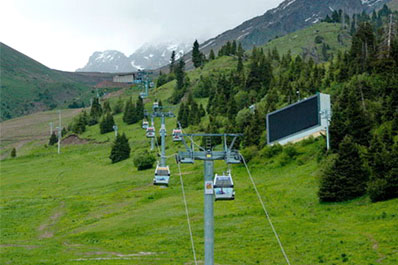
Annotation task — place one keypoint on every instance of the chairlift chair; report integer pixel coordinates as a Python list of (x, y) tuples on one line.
[(162, 176), (177, 135), (145, 124), (224, 187), (150, 132), (233, 158), (155, 105)]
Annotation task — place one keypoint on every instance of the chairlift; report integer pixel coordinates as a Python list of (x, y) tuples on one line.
[(224, 187), (162, 176), (150, 132), (155, 105), (233, 158), (177, 137), (145, 124), (143, 95)]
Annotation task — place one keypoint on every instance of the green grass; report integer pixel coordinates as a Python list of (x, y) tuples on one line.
[(304, 40), (393, 5), (77, 205)]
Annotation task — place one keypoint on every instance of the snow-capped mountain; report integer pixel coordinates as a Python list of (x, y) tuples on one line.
[(109, 61), (153, 56), (149, 56)]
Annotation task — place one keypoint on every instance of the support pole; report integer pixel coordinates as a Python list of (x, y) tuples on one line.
[(209, 214), (163, 142), (152, 139), (59, 132)]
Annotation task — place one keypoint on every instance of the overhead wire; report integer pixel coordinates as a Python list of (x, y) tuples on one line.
[(187, 214), (266, 212)]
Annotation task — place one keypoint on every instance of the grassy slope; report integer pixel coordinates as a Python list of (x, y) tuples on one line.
[(80, 206), (304, 39), (393, 5), (23, 79), (56, 209)]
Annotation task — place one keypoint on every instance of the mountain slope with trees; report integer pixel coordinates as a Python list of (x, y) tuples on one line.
[(27, 86)]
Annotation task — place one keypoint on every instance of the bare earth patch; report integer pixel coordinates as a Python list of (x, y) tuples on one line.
[(73, 139), (45, 228)]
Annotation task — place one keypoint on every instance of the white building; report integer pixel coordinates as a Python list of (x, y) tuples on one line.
[(124, 78)]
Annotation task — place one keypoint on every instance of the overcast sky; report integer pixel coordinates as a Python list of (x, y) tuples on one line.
[(62, 34)]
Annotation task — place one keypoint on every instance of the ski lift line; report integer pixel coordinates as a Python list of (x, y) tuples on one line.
[(266, 212), (187, 213), (190, 137)]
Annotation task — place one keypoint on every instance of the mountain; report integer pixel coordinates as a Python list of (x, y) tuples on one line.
[(289, 16), (28, 86), (109, 61), (149, 56)]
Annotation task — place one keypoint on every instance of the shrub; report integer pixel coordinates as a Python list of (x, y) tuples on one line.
[(249, 153), (271, 151), (53, 139), (144, 160), (13, 152)]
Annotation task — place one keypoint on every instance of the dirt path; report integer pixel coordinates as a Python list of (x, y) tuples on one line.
[(45, 229)]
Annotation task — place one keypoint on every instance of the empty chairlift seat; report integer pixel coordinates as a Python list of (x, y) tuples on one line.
[(177, 137), (145, 125), (162, 176), (150, 132), (224, 187)]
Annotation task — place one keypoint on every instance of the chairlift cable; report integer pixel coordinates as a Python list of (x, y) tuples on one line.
[(265, 211), (187, 213)]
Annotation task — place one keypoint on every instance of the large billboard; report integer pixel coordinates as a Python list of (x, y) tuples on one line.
[(297, 120)]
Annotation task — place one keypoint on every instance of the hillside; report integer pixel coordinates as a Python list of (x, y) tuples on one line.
[(27, 86), (317, 41), (393, 5), (96, 210), (288, 17), (80, 208)]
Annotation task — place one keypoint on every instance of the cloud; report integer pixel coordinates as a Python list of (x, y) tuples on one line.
[(62, 34)]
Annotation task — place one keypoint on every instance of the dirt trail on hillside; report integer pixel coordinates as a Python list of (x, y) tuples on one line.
[(45, 229)]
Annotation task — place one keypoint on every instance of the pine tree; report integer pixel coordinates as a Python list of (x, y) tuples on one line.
[(79, 124), (107, 107), (212, 56), (53, 139), (107, 123), (140, 109), (345, 177), (179, 89), (95, 111), (196, 55), (383, 161), (13, 153), (120, 149), (63, 132), (130, 114), (239, 67), (118, 108), (172, 61)]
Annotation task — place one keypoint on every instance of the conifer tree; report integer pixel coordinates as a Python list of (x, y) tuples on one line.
[(383, 161), (118, 108), (107, 107), (13, 153), (345, 177), (172, 61), (95, 111), (120, 149), (106, 124), (179, 89), (79, 124), (239, 67), (63, 132), (212, 56), (196, 55), (130, 115), (53, 139), (140, 108)]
